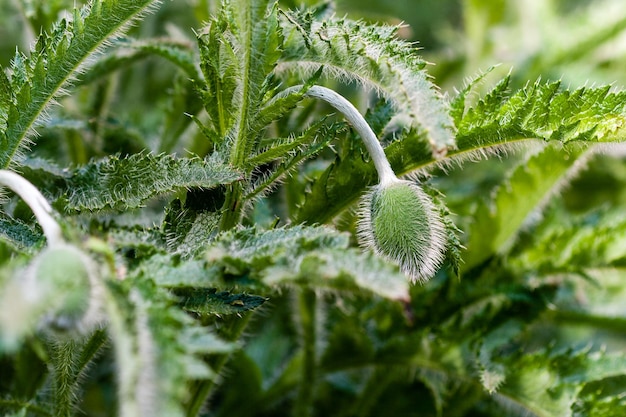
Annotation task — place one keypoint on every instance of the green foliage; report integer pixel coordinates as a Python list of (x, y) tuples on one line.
[(39, 79), (210, 205), (126, 183), (351, 50)]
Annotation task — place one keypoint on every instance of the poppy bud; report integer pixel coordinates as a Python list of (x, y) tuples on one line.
[(57, 293), (399, 221)]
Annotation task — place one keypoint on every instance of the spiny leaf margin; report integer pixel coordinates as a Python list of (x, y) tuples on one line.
[(56, 59)]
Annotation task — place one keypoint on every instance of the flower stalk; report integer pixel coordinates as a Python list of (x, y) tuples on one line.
[(398, 220), (37, 203), (59, 291)]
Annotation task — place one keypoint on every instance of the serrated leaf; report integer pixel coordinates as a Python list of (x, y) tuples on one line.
[(293, 152), (600, 406), (171, 271), (499, 119), (559, 243), (459, 104), (39, 79), (142, 241), (306, 255), (346, 270), (6, 99), (179, 53), (123, 183), (190, 226), (208, 301), (546, 384), (498, 221), (19, 235), (373, 56), (158, 348)]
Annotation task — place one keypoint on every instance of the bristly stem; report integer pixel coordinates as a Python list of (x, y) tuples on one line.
[(358, 122), (64, 365), (37, 203), (201, 390), (307, 303)]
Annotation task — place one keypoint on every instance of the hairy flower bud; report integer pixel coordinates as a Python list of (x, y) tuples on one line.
[(399, 221), (58, 293), (70, 275)]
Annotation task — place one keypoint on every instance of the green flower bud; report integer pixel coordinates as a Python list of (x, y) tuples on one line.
[(399, 221), (66, 274), (58, 293)]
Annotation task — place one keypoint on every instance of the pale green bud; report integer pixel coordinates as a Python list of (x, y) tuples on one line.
[(58, 292), (399, 221)]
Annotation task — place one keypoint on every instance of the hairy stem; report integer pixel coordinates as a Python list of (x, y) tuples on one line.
[(352, 115), (63, 358), (231, 211), (202, 390), (37, 203), (307, 303)]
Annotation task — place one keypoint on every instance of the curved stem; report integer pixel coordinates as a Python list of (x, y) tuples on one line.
[(352, 115), (37, 203)]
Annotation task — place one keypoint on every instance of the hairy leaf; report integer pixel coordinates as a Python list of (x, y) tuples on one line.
[(546, 384), (58, 57), (171, 271), (129, 51), (308, 256), (123, 183), (157, 347), (209, 301), (19, 235), (501, 118), (498, 221), (372, 56), (559, 243)]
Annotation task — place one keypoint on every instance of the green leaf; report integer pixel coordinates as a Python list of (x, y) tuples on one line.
[(208, 301), (370, 55), (293, 152), (19, 235), (546, 384), (58, 57), (497, 222), (179, 53), (562, 243), (6, 100), (459, 104), (599, 405), (127, 51), (158, 348), (124, 183), (260, 38), (190, 226), (500, 119), (309, 256), (170, 271)]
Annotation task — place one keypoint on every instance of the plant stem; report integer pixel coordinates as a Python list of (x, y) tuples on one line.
[(201, 390), (37, 203), (358, 122), (307, 303), (231, 210), (64, 377)]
